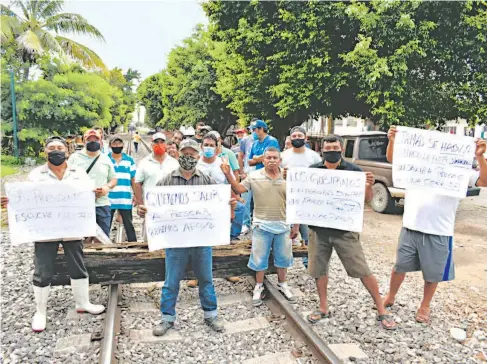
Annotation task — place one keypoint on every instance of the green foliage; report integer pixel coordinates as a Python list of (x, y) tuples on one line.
[(149, 94)]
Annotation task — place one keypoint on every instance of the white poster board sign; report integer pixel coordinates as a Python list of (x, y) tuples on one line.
[(187, 216), (433, 161), (50, 210), (327, 198)]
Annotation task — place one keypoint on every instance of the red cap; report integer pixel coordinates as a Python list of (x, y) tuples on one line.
[(239, 131), (91, 132)]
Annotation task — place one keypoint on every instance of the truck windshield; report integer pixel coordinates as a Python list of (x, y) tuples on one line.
[(373, 149)]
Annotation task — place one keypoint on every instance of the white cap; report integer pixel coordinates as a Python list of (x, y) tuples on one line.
[(159, 136), (189, 131)]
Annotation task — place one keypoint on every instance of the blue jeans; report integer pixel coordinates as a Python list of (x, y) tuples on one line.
[(247, 196), (103, 218), (177, 260), (304, 231), (262, 243), (236, 227)]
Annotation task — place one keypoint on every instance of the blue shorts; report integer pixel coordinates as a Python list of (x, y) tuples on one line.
[(262, 242)]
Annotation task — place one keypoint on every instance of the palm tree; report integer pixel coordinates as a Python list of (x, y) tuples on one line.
[(40, 30), (132, 75)]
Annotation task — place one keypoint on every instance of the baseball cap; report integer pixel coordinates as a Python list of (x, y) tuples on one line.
[(116, 137), (159, 136), (259, 124), (91, 132), (239, 131), (56, 138), (216, 134), (189, 143), (297, 128)]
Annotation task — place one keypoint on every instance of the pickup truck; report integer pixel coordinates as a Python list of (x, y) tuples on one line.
[(368, 151)]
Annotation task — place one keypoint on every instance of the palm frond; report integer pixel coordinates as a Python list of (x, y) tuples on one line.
[(30, 41), (5, 10), (50, 8), (72, 23), (20, 4), (10, 26), (81, 53), (49, 42)]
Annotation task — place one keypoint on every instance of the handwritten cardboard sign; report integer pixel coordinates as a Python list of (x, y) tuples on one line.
[(433, 161), (326, 198), (50, 210), (187, 216)]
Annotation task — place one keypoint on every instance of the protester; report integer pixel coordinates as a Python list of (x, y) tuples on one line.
[(173, 149), (262, 141), (104, 145), (178, 258), (201, 130), (426, 239), (137, 139), (228, 154), (243, 161), (240, 135), (57, 170), (270, 230), (121, 196), (346, 244), (177, 137), (300, 156), (287, 143), (100, 169), (153, 167)]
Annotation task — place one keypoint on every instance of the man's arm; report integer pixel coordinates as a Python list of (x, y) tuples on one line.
[(479, 154), (369, 182), (237, 187), (390, 147)]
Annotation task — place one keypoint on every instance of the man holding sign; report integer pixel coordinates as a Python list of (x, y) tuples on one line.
[(346, 243), (178, 258), (426, 240), (56, 170)]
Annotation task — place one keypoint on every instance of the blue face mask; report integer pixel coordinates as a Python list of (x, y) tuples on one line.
[(209, 152), (255, 136)]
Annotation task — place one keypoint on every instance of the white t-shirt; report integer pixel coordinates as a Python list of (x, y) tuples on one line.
[(150, 171), (430, 213), (213, 170), (291, 159)]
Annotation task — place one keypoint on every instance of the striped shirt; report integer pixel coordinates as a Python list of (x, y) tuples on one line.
[(121, 195)]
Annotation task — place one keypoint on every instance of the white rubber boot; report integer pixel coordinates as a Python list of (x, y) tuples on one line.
[(81, 295), (41, 295)]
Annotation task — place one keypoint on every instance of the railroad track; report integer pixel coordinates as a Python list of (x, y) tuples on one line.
[(281, 310)]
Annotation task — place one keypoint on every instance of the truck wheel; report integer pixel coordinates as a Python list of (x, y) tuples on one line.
[(382, 202)]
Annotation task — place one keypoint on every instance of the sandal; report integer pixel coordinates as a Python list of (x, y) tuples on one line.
[(320, 316), (423, 315), (389, 319)]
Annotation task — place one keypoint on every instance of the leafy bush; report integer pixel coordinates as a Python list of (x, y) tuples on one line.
[(10, 160)]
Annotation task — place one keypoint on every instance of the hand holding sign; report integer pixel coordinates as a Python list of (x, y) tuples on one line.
[(391, 134), (480, 148), (369, 179)]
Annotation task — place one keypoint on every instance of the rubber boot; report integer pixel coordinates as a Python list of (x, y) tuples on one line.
[(41, 295), (81, 295)]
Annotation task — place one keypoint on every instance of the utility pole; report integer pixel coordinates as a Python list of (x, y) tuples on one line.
[(14, 114)]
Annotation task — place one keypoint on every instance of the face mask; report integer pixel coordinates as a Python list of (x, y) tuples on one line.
[(159, 149), (117, 150), (209, 152), (298, 143), (239, 140), (255, 136), (332, 156), (187, 162), (93, 146), (56, 157)]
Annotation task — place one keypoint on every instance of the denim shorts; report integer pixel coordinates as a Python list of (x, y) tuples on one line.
[(262, 243)]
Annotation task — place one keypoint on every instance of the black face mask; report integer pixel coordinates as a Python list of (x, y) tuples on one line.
[(56, 157), (332, 156), (93, 146), (298, 143), (117, 150)]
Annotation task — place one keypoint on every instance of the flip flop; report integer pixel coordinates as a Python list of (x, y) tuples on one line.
[(321, 316), (389, 319), (423, 316)]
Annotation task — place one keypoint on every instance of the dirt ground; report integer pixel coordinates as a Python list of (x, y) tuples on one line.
[(381, 233)]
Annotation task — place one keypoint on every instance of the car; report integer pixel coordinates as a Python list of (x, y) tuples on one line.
[(368, 151)]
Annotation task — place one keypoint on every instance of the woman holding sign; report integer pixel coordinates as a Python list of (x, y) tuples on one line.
[(426, 239), (57, 170)]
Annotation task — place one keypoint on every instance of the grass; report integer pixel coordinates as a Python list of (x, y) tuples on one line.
[(8, 170)]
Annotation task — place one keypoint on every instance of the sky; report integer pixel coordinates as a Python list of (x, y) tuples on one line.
[(138, 34)]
